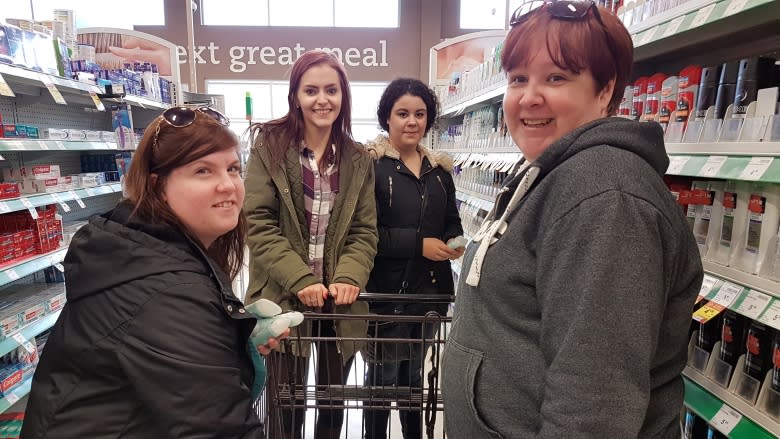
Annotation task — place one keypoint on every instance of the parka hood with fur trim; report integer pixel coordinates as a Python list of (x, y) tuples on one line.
[(381, 147)]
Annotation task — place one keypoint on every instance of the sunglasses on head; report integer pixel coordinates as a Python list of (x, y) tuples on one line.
[(180, 117), (559, 9)]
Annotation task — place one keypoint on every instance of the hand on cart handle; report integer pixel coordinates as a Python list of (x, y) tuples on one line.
[(344, 294), (313, 296)]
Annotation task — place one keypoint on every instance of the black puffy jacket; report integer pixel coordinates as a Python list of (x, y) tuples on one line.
[(151, 344), (408, 210)]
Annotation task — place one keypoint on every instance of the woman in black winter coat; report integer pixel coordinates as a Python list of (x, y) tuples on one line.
[(152, 342), (416, 217)]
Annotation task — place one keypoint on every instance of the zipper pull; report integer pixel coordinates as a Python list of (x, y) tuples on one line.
[(390, 180)]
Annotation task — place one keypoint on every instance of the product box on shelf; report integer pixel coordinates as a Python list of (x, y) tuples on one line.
[(11, 41), (93, 136), (9, 130), (74, 134), (35, 172), (9, 190), (122, 124), (10, 378), (54, 134)]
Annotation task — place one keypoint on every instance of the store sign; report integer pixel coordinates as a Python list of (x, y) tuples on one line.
[(241, 57)]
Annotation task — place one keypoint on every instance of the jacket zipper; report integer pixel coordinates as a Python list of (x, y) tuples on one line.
[(349, 215), (390, 180), (442, 184)]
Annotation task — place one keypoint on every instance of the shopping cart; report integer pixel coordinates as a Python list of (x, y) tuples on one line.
[(292, 397)]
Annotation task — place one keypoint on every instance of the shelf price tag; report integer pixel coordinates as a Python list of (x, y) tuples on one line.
[(75, 196), (26, 203), (42, 145), (5, 90), (12, 274), (706, 286), (90, 191), (23, 342), (96, 100), (712, 166), (673, 26), (677, 163), (62, 204), (756, 168), (648, 36), (727, 294), (733, 7), (753, 304), (59, 144), (4, 208), (55, 93), (12, 398), (726, 419), (702, 16), (771, 317)]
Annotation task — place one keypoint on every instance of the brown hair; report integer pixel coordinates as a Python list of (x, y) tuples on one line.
[(279, 134), (177, 147), (576, 45)]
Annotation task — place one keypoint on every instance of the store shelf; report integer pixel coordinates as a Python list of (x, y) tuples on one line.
[(731, 274), (476, 100), (693, 26), (736, 161), (8, 344), (36, 200), (138, 101), (16, 75), (21, 75), (710, 401), (757, 149), (49, 145), (18, 269), (15, 395), (465, 194)]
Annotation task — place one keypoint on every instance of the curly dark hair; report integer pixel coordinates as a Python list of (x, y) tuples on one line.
[(403, 86)]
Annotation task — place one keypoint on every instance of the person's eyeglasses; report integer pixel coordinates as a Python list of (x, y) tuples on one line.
[(559, 9), (180, 117)]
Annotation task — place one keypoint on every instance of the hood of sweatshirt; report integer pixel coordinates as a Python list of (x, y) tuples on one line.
[(645, 139), (113, 249), (381, 147)]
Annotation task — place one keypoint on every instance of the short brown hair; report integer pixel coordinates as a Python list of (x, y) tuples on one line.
[(575, 45), (177, 147)]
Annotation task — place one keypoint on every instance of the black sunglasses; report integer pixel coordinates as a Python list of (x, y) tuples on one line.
[(559, 9), (180, 117)]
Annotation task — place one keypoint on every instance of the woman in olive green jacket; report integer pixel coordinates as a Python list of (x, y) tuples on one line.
[(312, 227)]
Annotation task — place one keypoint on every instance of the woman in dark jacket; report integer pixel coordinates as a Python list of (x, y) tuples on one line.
[(416, 218), (152, 342)]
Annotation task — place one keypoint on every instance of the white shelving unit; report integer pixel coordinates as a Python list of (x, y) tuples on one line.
[(34, 104)]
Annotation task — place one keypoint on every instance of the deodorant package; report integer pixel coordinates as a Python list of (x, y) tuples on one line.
[(708, 213), (731, 224), (760, 229)]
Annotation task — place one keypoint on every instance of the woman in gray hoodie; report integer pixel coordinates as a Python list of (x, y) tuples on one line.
[(575, 299)]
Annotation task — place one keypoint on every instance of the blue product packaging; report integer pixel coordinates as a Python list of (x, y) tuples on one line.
[(121, 123)]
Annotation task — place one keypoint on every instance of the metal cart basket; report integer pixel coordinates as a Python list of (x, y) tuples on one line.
[(364, 393)]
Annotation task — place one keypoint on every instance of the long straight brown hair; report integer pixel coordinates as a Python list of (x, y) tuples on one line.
[(280, 134), (177, 147)]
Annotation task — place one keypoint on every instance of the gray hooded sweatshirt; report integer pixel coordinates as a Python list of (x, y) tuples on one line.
[(575, 323)]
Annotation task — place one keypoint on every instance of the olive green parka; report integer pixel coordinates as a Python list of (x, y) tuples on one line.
[(278, 236)]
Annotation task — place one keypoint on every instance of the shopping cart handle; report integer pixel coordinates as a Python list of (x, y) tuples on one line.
[(406, 298)]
